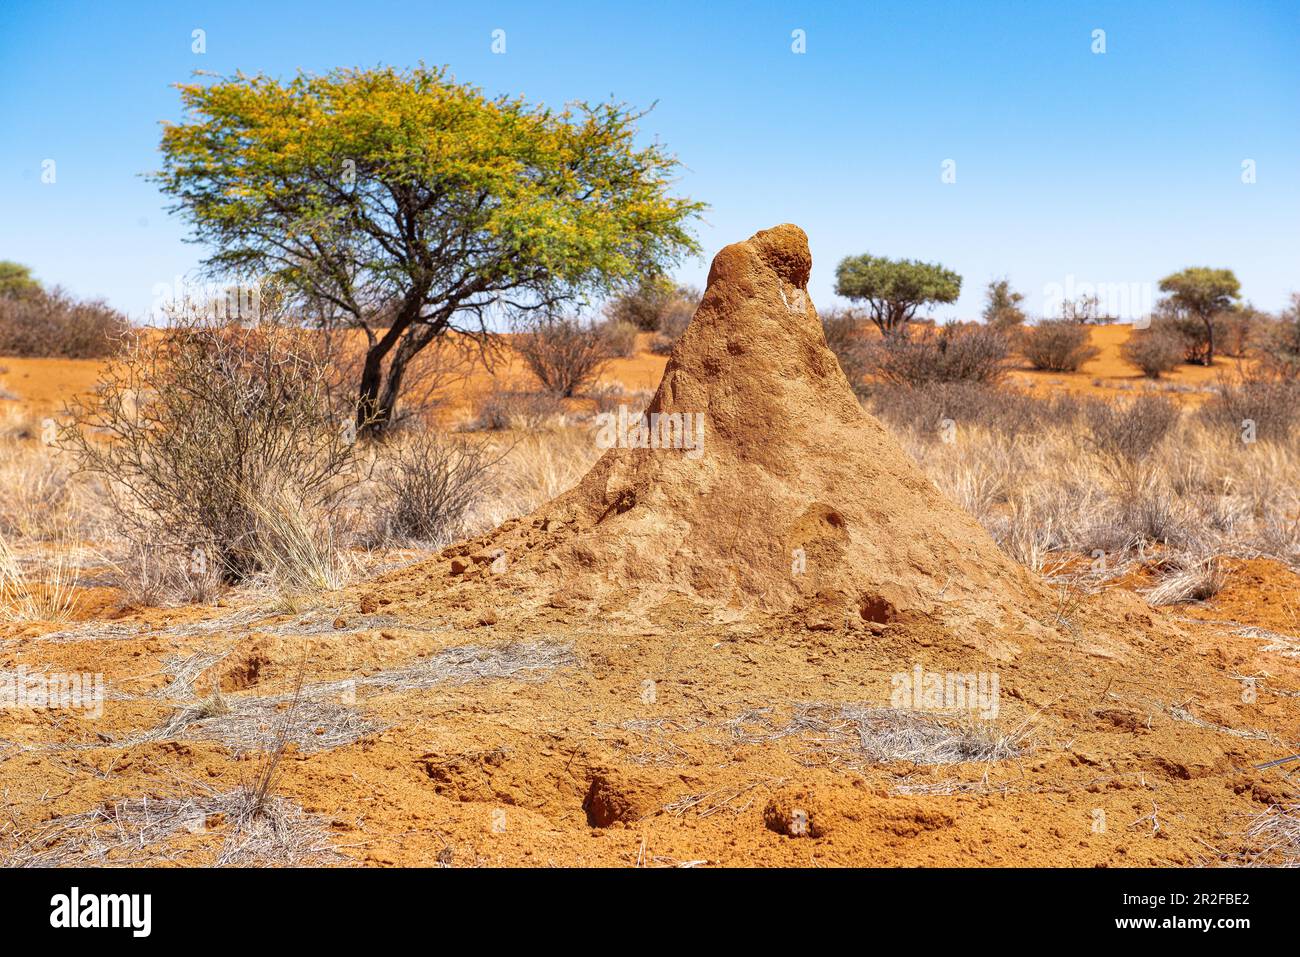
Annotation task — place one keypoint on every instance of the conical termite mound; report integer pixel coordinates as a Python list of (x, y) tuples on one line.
[(755, 479)]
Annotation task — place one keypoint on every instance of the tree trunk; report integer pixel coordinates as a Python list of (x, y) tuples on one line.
[(1209, 340), (379, 392), (371, 415)]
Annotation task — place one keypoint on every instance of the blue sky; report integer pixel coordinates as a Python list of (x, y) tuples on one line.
[(1109, 168)]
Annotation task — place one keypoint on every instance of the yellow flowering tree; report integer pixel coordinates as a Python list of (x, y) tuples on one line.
[(407, 205)]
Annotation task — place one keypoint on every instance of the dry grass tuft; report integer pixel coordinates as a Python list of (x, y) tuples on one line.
[(1276, 833), (146, 831), (857, 735), (24, 599), (1197, 581)]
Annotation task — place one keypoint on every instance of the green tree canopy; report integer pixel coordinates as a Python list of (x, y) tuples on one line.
[(894, 289), (16, 280), (407, 205), (1203, 293)]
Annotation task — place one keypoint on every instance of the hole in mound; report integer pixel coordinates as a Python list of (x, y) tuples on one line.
[(875, 609), (605, 803)]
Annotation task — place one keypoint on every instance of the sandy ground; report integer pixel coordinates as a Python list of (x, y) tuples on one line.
[(460, 720)]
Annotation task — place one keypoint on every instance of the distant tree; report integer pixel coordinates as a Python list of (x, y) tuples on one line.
[(1086, 310), (406, 205), (16, 280), (1002, 305), (1202, 293), (894, 289)]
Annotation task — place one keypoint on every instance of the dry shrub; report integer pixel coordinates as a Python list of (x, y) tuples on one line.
[(846, 336), (673, 320), (1186, 328), (197, 424), (1043, 483), (655, 305), (1235, 331), (620, 338), (1279, 343), (953, 354), (429, 482), (608, 397), (504, 409), (1002, 411), (1058, 345), (563, 354), (1127, 433), (1254, 406), (1154, 351), (55, 324)]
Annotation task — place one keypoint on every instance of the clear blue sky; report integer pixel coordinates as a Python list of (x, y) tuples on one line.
[(1112, 168)]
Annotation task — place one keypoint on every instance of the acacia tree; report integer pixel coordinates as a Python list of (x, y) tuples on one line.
[(894, 289), (16, 281), (406, 205), (1201, 293)]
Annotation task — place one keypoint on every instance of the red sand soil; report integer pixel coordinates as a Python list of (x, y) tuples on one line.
[(693, 700)]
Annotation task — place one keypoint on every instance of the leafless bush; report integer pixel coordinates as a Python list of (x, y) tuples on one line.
[(1154, 351), (673, 320), (620, 337), (608, 397), (845, 335), (200, 422), (1086, 310), (503, 409), (1279, 343), (53, 323), (429, 483), (1058, 345), (1129, 432), (953, 354), (564, 354), (1004, 411), (1254, 406), (1191, 330), (1235, 331), (655, 305)]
